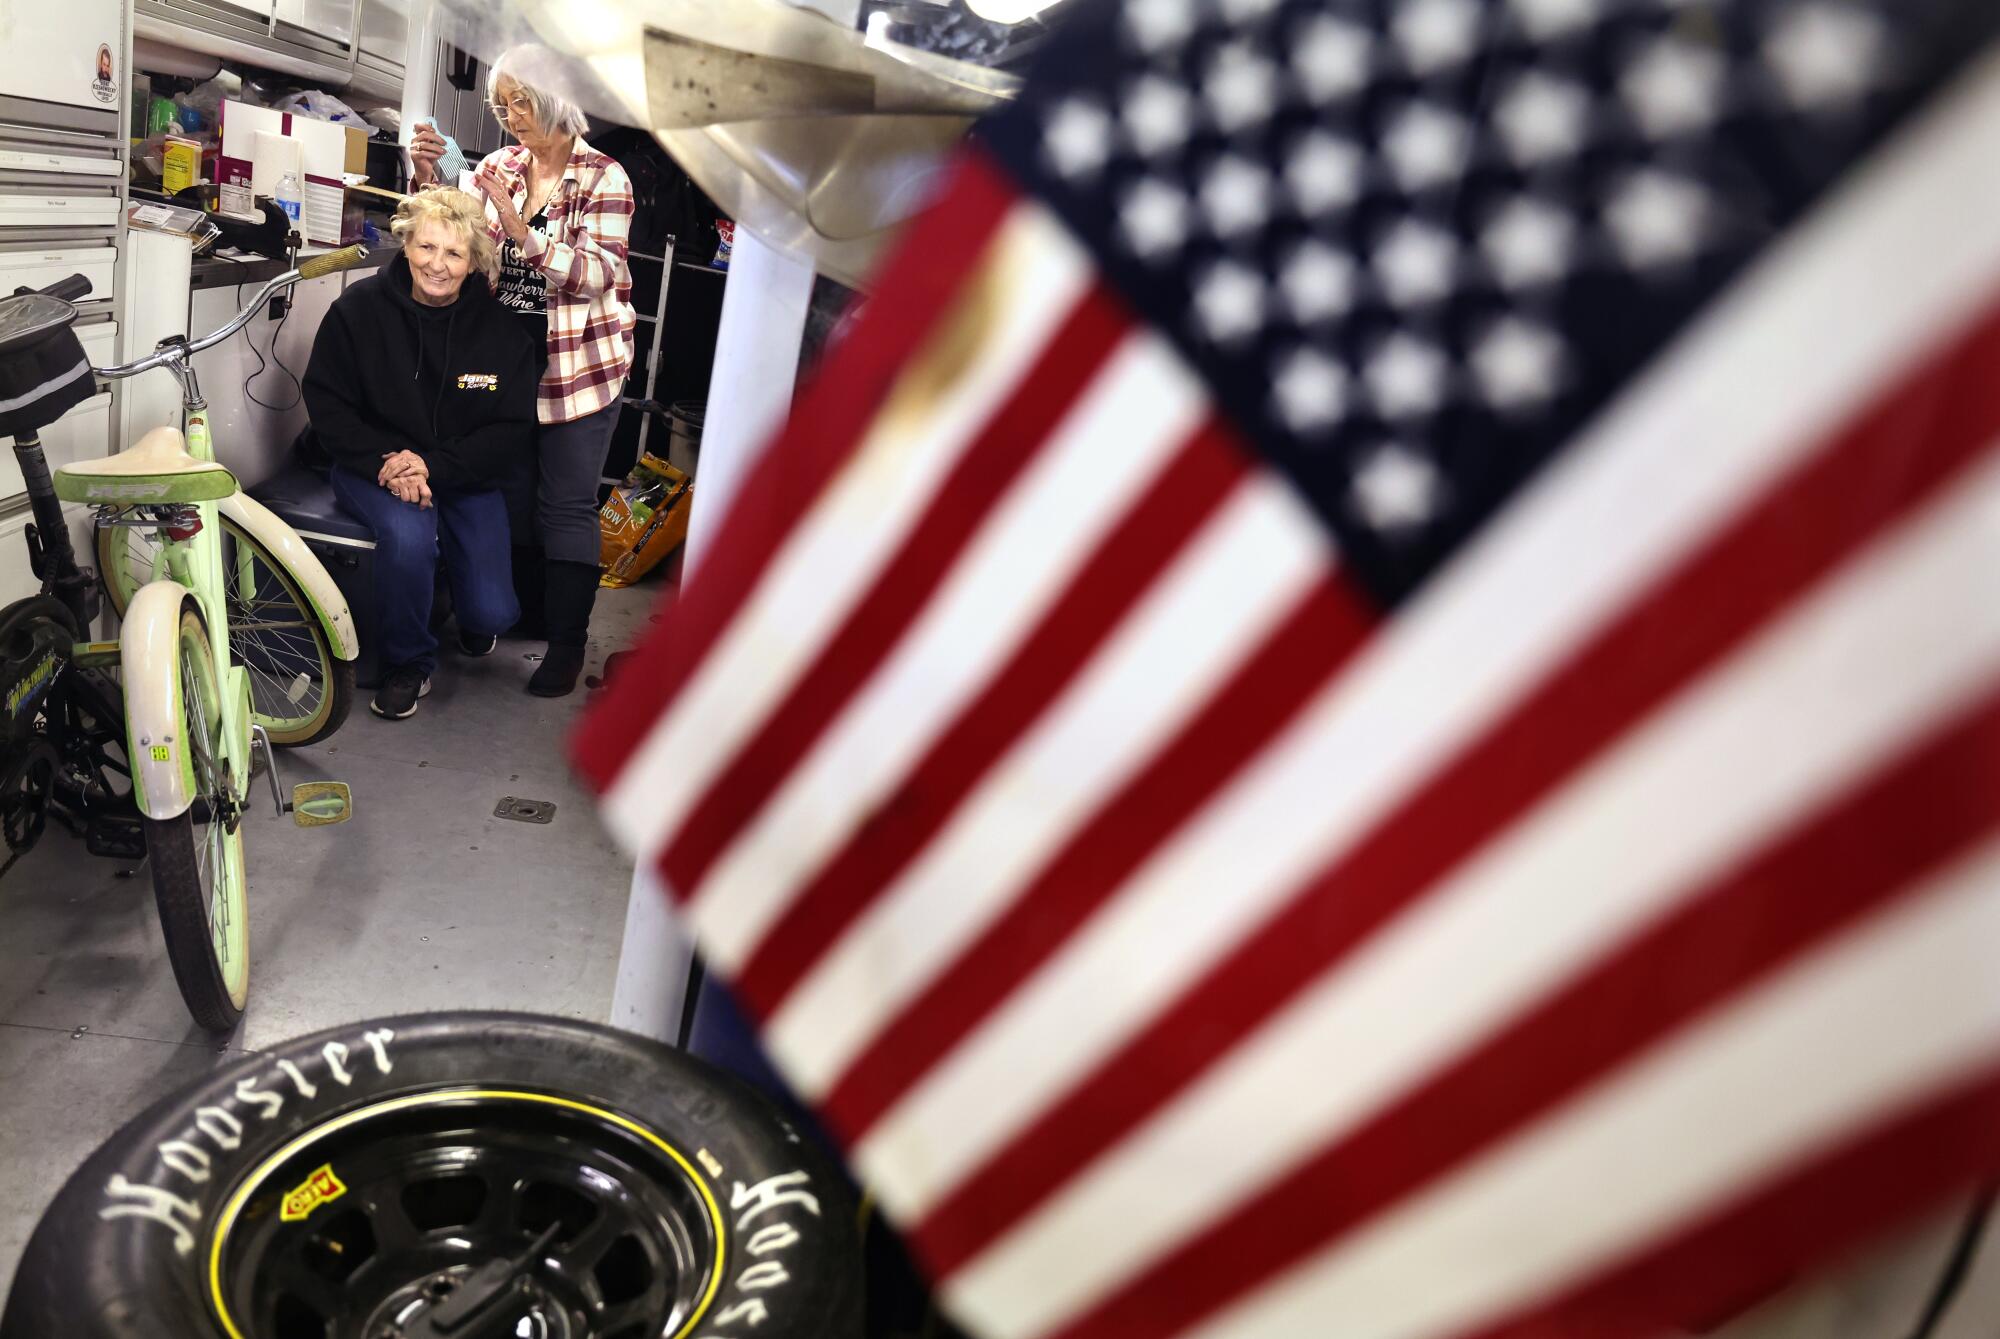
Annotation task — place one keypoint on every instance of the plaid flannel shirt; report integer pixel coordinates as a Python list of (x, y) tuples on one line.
[(582, 251)]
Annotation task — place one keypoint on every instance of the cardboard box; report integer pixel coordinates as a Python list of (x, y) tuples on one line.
[(323, 154)]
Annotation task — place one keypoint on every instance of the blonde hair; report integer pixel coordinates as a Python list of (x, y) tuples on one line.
[(452, 209), (532, 69)]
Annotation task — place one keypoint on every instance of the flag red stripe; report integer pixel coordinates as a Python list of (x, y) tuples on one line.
[(1868, 477), (917, 288), (1835, 1203), (994, 461), (1192, 485), (1323, 628), (1866, 850)]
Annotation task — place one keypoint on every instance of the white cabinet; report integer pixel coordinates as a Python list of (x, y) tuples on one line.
[(328, 24), (383, 46), (312, 39), (53, 52)]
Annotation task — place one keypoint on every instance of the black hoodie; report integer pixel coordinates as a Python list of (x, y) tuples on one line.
[(472, 420)]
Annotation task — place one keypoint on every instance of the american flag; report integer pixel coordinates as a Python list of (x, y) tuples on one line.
[(1370, 704)]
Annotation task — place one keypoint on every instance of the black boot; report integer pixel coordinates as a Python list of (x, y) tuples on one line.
[(572, 589)]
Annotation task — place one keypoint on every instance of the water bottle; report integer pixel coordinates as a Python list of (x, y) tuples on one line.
[(289, 197)]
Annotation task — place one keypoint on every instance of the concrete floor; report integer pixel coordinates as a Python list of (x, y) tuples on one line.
[(423, 901)]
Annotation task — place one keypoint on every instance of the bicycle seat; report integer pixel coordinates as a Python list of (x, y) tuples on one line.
[(156, 468)]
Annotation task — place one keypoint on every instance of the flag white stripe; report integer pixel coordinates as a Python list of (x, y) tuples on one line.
[(1698, 434), (1243, 572), (1110, 447), (1819, 700), (839, 547), (1845, 1039)]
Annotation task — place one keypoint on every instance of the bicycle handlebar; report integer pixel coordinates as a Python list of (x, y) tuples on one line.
[(333, 262), (69, 290), (318, 267)]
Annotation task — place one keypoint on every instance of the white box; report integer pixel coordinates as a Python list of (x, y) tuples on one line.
[(323, 152)]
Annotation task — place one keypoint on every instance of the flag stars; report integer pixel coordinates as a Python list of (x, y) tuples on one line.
[(1309, 392), (1156, 25), (1435, 35), (1824, 55), (1656, 219), (1156, 114), (1395, 490), (1406, 377), (1425, 146), (1415, 264), (1317, 284), (1236, 196), (1323, 174), (1077, 139), (1240, 12), (1528, 244), (1229, 303), (1154, 219), (1675, 88), (1545, 19), (1518, 365), (1541, 119), (1241, 88), (1332, 59)]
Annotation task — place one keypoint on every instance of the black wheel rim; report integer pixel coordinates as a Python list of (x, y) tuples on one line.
[(420, 1193)]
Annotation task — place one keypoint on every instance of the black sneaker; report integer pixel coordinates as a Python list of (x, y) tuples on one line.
[(397, 697), (475, 645)]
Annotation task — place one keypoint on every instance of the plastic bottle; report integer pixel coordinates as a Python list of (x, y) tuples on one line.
[(288, 197)]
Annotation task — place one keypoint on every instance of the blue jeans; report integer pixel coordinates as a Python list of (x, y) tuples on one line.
[(470, 529)]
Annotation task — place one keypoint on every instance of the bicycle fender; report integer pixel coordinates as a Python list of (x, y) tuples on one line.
[(302, 565), (149, 659)]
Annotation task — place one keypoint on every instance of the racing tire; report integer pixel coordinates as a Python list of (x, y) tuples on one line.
[(331, 1184)]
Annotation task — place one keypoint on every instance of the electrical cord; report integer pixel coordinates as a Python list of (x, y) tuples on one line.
[(1957, 1264), (298, 388)]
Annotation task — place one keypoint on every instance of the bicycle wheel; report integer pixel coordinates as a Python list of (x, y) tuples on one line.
[(197, 858), (299, 692)]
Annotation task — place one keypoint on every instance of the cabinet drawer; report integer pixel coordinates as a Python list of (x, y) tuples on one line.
[(39, 269), (17, 158), (55, 209)]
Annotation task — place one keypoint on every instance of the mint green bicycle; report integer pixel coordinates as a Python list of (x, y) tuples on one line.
[(187, 698)]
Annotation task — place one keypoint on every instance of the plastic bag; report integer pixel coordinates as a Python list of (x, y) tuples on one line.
[(322, 106), (643, 521)]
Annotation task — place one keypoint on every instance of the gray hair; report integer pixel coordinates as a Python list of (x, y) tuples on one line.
[(534, 69)]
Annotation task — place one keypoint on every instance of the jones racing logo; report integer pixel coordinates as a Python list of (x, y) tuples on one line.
[(478, 381), (184, 1166), (25, 693)]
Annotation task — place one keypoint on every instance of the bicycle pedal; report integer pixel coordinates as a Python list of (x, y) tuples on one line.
[(118, 836)]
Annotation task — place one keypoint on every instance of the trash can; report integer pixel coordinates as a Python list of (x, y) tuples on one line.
[(684, 433)]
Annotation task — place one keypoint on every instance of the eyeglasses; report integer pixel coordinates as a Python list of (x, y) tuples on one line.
[(519, 103)]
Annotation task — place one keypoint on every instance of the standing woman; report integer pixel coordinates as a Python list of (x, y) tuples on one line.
[(561, 213)]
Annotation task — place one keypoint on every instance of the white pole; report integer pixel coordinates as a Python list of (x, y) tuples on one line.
[(749, 393), (420, 52)]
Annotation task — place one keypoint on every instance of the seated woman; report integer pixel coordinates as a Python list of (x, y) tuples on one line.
[(422, 389)]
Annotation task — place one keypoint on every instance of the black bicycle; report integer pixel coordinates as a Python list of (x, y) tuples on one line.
[(62, 744)]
